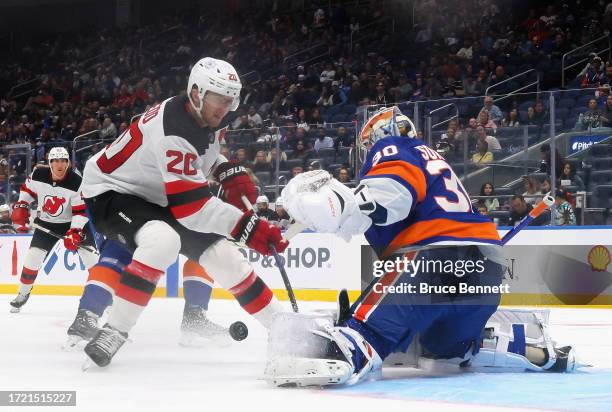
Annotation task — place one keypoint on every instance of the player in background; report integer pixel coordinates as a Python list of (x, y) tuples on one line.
[(55, 188), (409, 203), (148, 190)]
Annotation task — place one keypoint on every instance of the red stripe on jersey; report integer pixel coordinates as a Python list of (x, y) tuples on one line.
[(188, 209), (24, 188), (78, 210), (179, 186), (259, 302)]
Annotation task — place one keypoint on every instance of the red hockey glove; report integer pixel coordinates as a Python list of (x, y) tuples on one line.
[(73, 239), (259, 234), (21, 216), (236, 182)]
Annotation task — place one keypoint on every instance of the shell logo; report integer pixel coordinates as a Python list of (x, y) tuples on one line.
[(599, 258)]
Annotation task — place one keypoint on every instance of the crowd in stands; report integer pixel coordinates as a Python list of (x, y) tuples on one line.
[(304, 73)]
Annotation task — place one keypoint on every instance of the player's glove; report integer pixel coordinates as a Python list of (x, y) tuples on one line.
[(236, 182), (73, 239), (259, 234), (21, 216)]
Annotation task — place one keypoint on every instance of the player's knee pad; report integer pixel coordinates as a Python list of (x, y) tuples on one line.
[(35, 258), (225, 264), (89, 259), (192, 270), (158, 245)]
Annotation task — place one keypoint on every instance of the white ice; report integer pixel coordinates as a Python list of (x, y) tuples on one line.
[(153, 373)]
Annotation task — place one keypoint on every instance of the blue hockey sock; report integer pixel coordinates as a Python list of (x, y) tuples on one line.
[(196, 293)]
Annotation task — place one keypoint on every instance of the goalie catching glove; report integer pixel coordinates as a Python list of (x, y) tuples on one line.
[(325, 205), (259, 234), (236, 183)]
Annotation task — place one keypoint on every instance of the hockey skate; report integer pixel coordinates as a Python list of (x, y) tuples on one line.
[(19, 301), (104, 345), (83, 328), (198, 330)]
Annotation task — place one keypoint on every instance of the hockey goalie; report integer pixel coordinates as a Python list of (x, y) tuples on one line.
[(409, 205)]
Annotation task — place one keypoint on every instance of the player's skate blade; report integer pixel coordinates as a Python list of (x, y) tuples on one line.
[(83, 329), (197, 330), (18, 302), (105, 345), (299, 372)]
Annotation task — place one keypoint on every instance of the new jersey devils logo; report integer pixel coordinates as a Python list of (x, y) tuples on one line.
[(53, 205)]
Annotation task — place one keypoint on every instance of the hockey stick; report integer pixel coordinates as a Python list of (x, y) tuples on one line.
[(535, 212), (60, 237), (279, 263)]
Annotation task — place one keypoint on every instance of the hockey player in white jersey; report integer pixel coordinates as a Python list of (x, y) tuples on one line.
[(56, 190), (148, 190)]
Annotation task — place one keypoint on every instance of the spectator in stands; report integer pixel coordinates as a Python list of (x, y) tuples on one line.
[(482, 82), (301, 151), (403, 91), (5, 215), (564, 212), (261, 162), (380, 97), (492, 142), (511, 120), (591, 118), (519, 208), (263, 210), (302, 121), (606, 116), (485, 121), (482, 208), (315, 118), (594, 74), (545, 186), (328, 74), (296, 170), (241, 122), (499, 76), (4, 172), (271, 158), (109, 130), (326, 98), (532, 190), (491, 203), (323, 141), (494, 112), (241, 157), (254, 118), (482, 155), (569, 177), (338, 96), (343, 138), (540, 115), (546, 160), (530, 119), (343, 175)]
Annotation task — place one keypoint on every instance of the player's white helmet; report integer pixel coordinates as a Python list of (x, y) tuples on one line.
[(388, 121), (5, 208), (213, 75), (262, 199), (58, 153)]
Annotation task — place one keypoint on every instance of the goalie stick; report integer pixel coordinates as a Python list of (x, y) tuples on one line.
[(279, 263)]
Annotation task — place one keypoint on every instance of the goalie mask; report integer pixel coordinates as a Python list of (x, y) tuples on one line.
[(388, 121)]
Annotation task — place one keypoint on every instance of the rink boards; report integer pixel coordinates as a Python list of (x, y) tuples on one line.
[(546, 266)]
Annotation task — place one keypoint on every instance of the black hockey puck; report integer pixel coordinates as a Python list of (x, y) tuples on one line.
[(238, 331)]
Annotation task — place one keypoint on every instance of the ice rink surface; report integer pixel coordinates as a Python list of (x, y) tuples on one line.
[(154, 373)]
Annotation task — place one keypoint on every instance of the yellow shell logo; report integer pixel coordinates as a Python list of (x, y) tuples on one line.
[(599, 258)]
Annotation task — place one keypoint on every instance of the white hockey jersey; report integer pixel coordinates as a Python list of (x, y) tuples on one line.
[(58, 202), (164, 158)]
